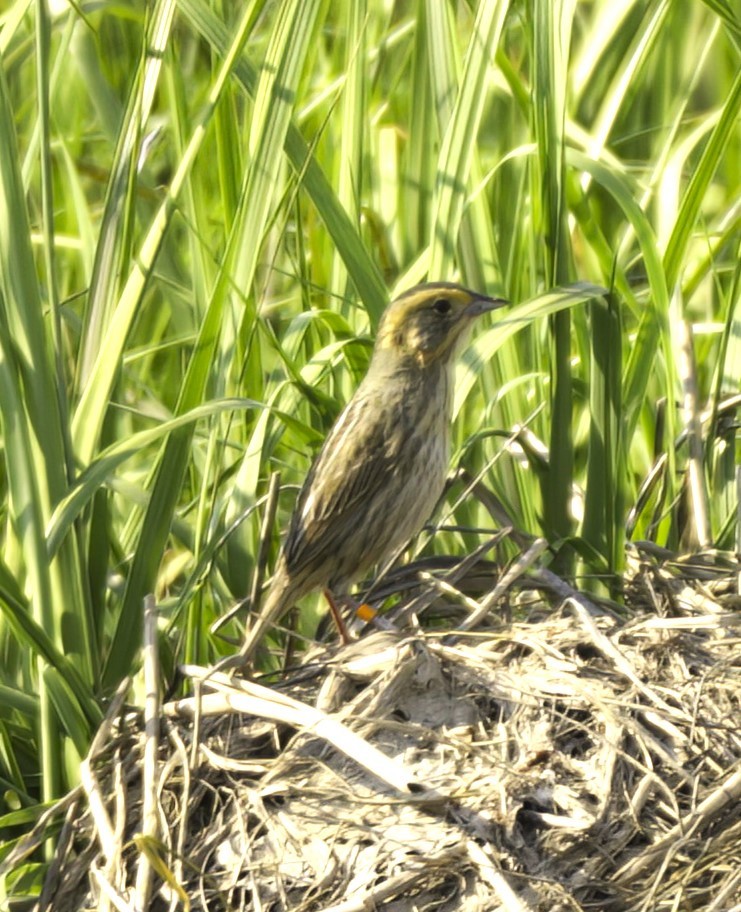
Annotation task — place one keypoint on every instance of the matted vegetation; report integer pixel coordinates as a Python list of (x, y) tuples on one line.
[(203, 209), (569, 759)]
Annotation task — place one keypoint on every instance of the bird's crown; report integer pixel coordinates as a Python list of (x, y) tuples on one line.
[(428, 321)]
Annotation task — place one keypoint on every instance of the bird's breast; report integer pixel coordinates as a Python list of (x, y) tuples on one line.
[(420, 442), (375, 483)]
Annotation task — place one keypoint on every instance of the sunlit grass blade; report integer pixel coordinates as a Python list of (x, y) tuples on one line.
[(417, 184), (730, 18), (271, 118), (698, 185), (722, 461), (34, 445), (613, 100), (354, 114), (552, 27), (102, 468), (510, 322), (654, 327), (30, 638), (112, 250), (91, 410), (459, 133), (361, 269)]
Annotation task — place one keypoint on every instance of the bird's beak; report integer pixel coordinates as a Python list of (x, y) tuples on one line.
[(483, 303)]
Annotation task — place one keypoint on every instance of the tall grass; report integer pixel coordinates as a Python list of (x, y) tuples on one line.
[(203, 209)]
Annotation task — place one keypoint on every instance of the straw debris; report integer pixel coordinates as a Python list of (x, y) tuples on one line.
[(579, 756)]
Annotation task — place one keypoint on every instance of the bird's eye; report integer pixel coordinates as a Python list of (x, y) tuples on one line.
[(442, 306)]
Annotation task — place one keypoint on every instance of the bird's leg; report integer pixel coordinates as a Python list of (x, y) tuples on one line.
[(337, 617), (361, 612)]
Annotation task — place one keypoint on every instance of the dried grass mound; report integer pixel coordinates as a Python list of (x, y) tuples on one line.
[(570, 759)]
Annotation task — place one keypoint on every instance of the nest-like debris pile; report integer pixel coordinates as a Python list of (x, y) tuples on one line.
[(570, 759)]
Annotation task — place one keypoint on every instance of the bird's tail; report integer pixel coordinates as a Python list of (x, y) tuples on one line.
[(279, 599)]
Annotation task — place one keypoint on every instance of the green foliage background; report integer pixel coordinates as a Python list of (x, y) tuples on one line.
[(203, 209)]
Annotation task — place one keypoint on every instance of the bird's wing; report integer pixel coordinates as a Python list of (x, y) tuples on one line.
[(351, 470)]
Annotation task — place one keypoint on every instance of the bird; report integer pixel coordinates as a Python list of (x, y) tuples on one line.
[(383, 465)]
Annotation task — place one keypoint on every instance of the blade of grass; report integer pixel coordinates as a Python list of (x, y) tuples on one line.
[(603, 527), (112, 253), (34, 443), (354, 116), (699, 182), (93, 404), (460, 131), (653, 330), (271, 117), (363, 272), (511, 322), (552, 26)]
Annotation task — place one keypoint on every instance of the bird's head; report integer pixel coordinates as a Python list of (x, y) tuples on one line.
[(429, 323)]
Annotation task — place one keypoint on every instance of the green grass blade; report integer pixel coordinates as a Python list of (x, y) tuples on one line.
[(34, 442), (699, 182), (603, 527), (654, 326), (101, 469), (354, 115), (552, 26), (460, 132), (511, 322), (361, 269), (91, 410), (271, 117), (112, 253)]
